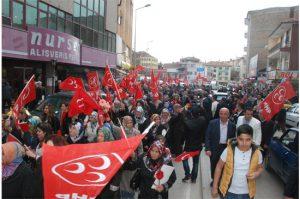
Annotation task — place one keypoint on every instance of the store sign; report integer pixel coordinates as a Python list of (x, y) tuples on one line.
[(47, 45), (287, 75)]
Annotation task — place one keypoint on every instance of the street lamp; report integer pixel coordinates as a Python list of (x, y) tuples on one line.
[(147, 5)]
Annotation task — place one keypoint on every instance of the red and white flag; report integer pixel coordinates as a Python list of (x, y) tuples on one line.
[(71, 84), (108, 79), (273, 103), (27, 95), (82, 103), (186, 155), (83, 170), (93, 81)]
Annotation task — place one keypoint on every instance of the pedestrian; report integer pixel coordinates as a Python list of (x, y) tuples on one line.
[(267, 131), (241, 163), (76, 134), (49, 117), (253, 122), (156, 107), (141, 122), (7, 92), (214, 105), (165, 117), (149, 164), (91, 126), (218, 132), (239, 112), (64, 119), (194, 137)]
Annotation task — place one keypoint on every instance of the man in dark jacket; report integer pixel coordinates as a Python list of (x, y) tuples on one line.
[(194, 137), (217, 134)]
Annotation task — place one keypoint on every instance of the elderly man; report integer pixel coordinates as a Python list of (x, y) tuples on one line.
[(217, 134), (253, 122)]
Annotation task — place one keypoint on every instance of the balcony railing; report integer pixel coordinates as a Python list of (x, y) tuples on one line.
[(274, 48)]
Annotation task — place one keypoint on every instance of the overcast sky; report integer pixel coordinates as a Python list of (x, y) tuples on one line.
[(206, 29)]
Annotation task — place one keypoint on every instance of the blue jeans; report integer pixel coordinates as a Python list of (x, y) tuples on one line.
[(236, 196), (127, 195), (186, 167)]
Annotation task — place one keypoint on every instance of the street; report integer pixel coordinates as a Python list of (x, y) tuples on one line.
[(268, 186)]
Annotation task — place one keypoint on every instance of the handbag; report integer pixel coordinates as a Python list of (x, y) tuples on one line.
[(135, 180)]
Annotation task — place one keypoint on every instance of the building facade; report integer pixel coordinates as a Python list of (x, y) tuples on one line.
[(219, 71), (145, 59), (260, 25), (190, 66), (55, 38)]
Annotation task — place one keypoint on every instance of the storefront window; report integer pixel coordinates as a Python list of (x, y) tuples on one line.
[(76, 30), (101, 24), (90, 19), (69, 27), (91, 4), (76, 12), (52, 22), (83, 36), (42, 19), (95, 22), (5, 8), (53, 10), (102, 8), (96, 6), (17, 20), (31, 16), (89, 35), (83, 2), (60, 24), (83, 16), (32, 2), (61, 14), (95, 42), (43, 6)]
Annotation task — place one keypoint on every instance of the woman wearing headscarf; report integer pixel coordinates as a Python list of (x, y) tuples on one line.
[(141, 122), (91, 126), (149, 164), (17, 178), (165, 117), (76, 134)]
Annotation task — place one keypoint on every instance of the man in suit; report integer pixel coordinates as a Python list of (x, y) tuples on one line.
[(217, 134), (253, 122)]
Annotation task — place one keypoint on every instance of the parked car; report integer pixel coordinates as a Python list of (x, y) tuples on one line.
[(220, 95), (283, 155), (292, 116)]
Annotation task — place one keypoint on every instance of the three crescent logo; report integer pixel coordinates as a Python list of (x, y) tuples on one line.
[(93, 82), (80, 103), (26, 93), (83, 171), (73, 83), (279, 95)]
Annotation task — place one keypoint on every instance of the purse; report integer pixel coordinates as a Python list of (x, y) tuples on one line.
[(135, 180)]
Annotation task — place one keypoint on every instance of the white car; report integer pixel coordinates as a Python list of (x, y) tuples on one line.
[(292, 116)]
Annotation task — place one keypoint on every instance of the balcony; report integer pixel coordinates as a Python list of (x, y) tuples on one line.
[(275, 48)]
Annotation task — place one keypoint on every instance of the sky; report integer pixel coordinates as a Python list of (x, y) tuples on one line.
[(210, 30)]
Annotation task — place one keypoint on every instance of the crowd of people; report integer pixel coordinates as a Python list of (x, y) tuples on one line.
[(187, 118)]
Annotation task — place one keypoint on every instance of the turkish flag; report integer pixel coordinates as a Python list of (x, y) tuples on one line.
[(93, 81), (273, 103), (138, 92), (186, 155), (139, 68), (108, 79), (108, 97), (83, 170), (24, 126), (71, 84), (82, 103), (27, 95), (124, 82)]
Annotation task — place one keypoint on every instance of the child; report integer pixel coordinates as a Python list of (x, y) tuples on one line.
[(242, 162)]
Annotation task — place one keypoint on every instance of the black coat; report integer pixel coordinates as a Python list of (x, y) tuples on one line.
[(194, 133), (22, 184), (82, 140), (150, 137), (156, 110), (175, 134), (267, 131), (212, 135)]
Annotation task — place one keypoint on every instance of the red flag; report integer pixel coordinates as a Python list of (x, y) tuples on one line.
[(27, 95), (108, 79), (186, 155), (108, 97), (71, 84), (85, 171), (139, 68), (12, 138), (138, 92), (93, 81), (82, 103), (273, 103), (24, 126)]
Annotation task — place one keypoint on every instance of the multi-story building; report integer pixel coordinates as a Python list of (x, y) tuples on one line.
[(189, 66), (238, 71), (145, 59), (283, 51), (260, 25), (56, 38), (219, 71)]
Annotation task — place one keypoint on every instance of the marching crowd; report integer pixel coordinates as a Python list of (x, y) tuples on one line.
[(187, 118)]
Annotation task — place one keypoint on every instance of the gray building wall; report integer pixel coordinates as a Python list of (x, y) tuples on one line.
[(111, 22)]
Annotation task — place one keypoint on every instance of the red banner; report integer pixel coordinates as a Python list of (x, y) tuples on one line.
[(186, 155), (108, 79), (71, 84), (273, 103), (93, 81), (83, 170)]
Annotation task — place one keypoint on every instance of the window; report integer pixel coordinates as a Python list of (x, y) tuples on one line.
[(83, 2), (17, 20), (83, 35), (60, 24), (32, 2), (77, 1), (43, 6), (96, 6), (95, 41), (52, 21), (89, 39), (5, 8), (101, 24), (105, 42), (100, 40), (102, 8), (289, 139), (68, 17), (76, 31), (109, 42), (69, 27), (83, 16), (91, 4), (96, 22), (61, 14), (31, 16), (90, 19), (76, 12), (42, 19)]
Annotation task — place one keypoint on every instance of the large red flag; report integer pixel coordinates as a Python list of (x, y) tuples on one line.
[(93, 81), (82, 103), (186, 155), (138, 92), (273, 103), (71, 84), (83, 170), (108, 97), (108, 79), (139, 68), (27, 95)]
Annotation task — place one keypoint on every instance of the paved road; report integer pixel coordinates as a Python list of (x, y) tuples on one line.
[(269, 186)]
